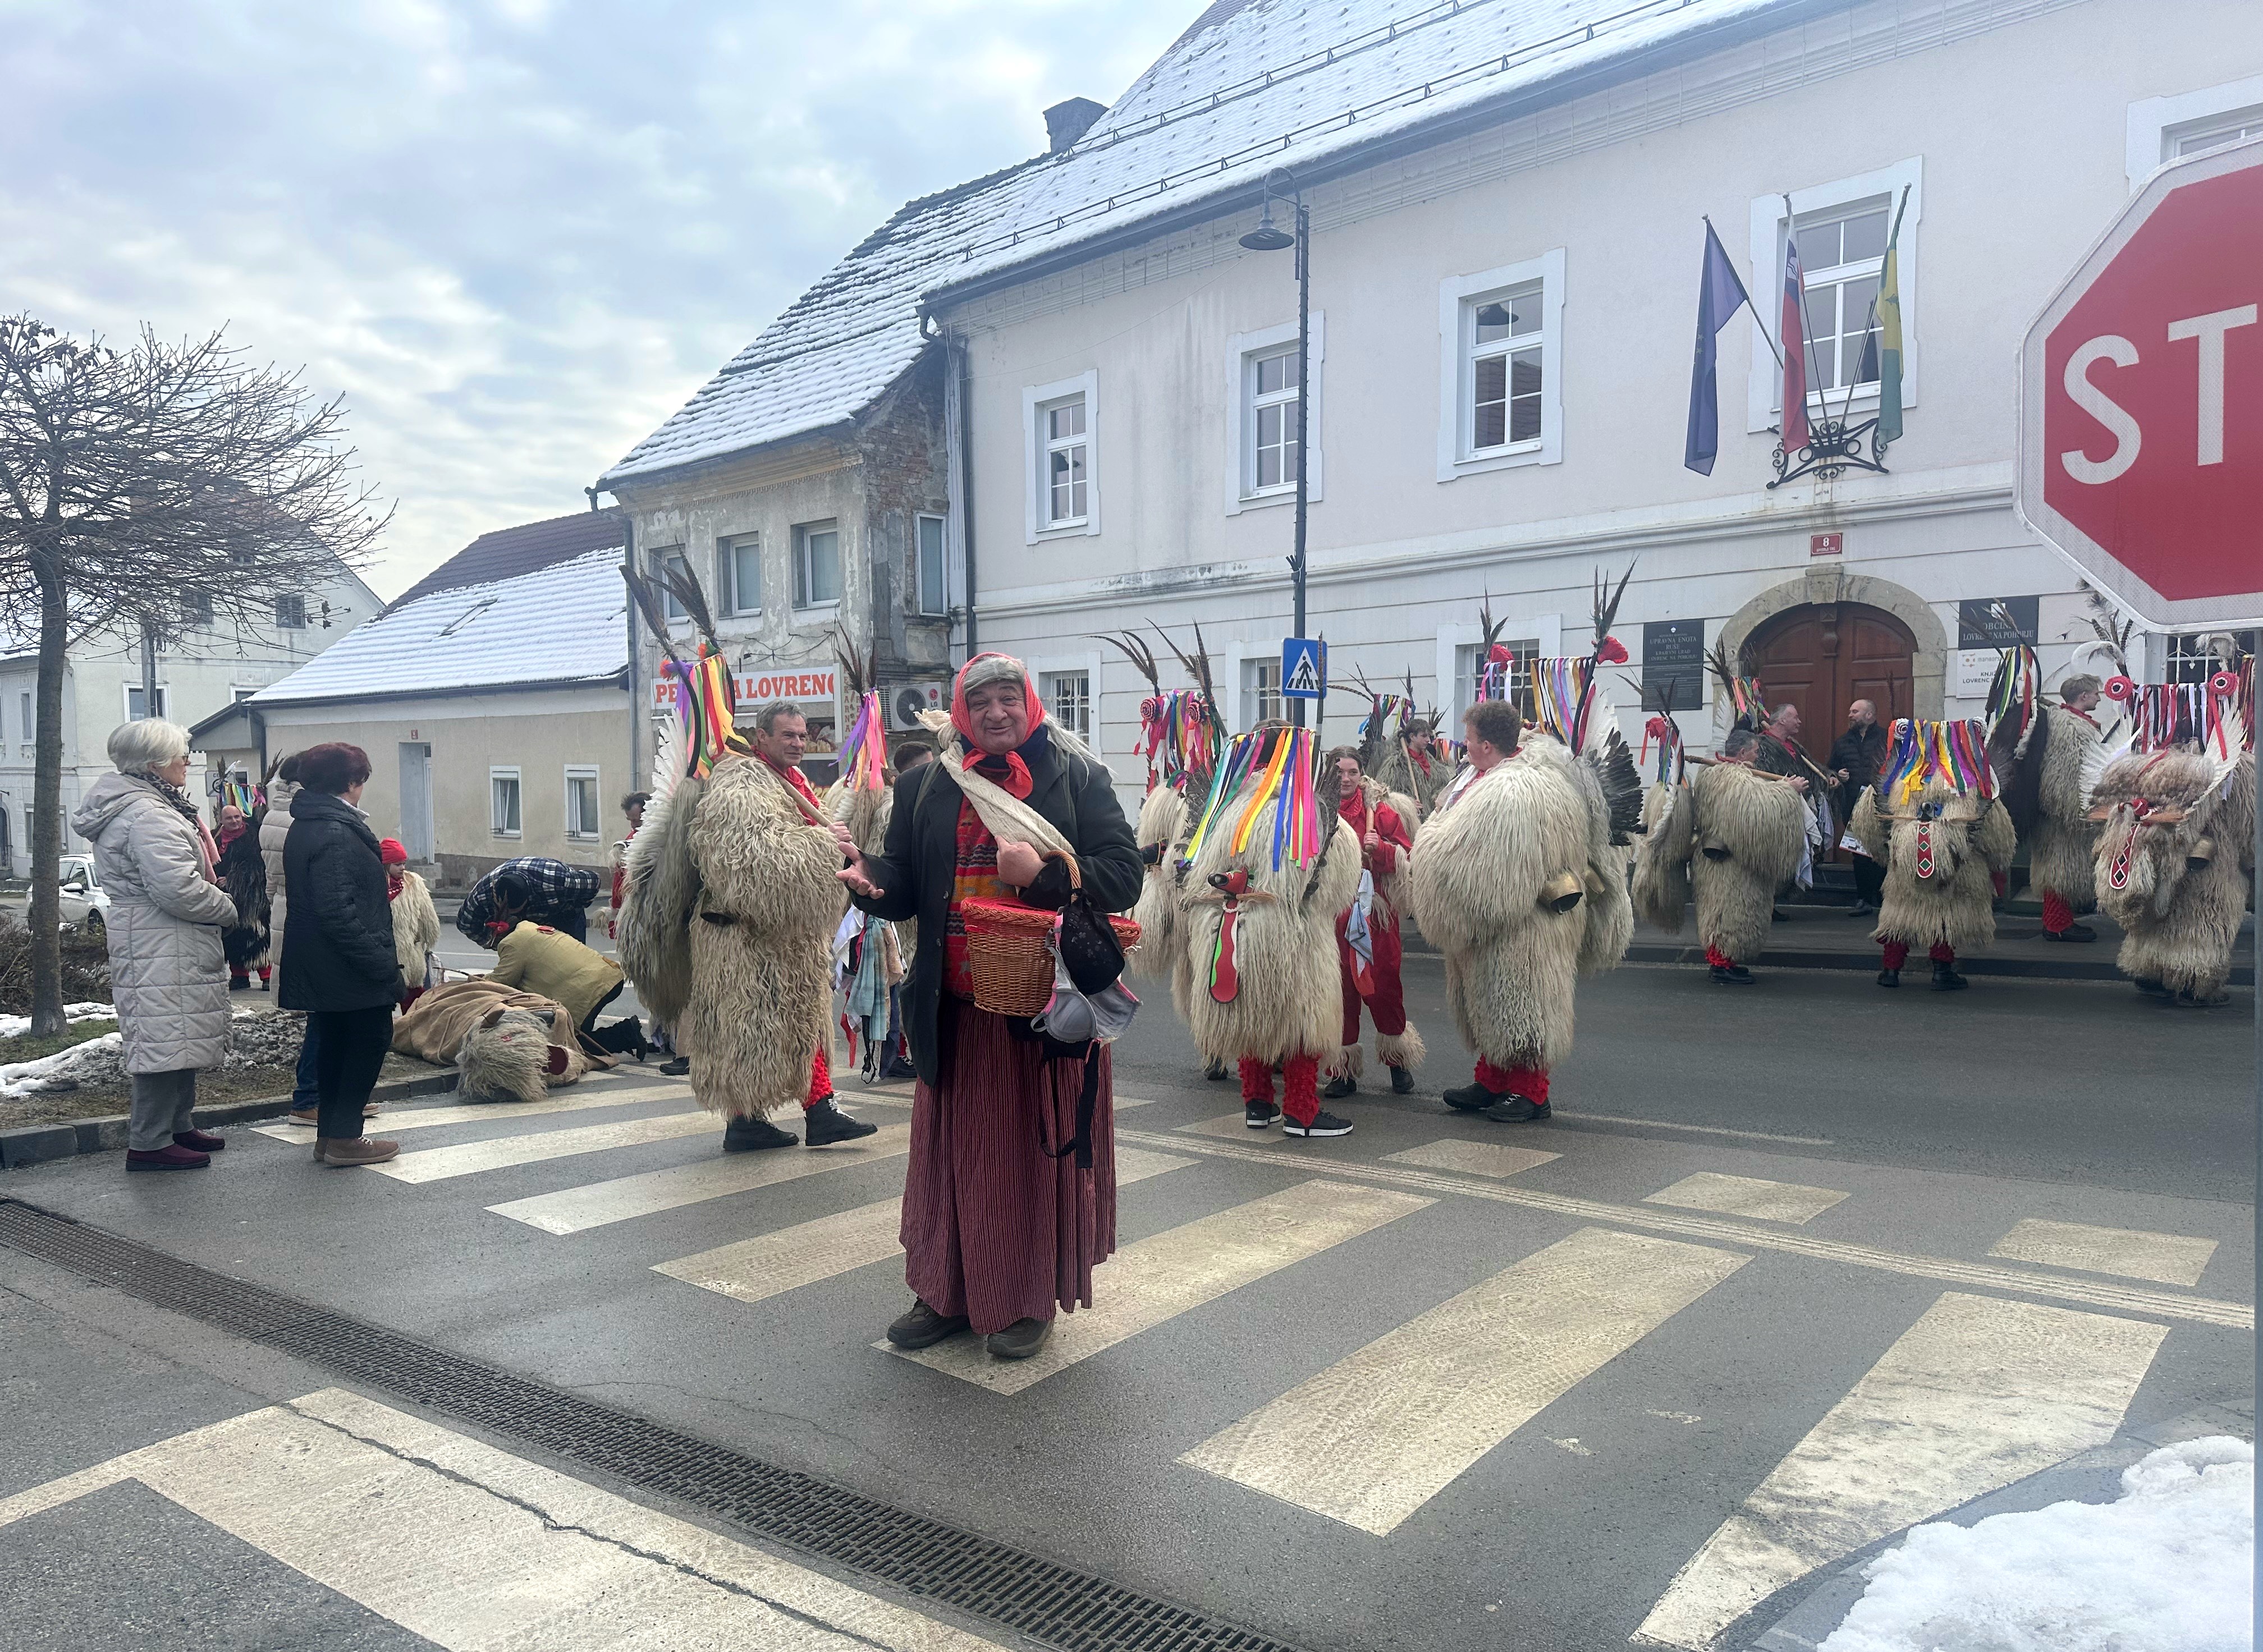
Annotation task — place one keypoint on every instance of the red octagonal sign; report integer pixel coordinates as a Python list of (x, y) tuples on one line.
[(2141, 414)]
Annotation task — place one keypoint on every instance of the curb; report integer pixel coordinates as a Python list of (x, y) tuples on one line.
[(35, 1144), (2101, 969)]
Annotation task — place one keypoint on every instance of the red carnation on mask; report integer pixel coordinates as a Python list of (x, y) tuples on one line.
[(1500, 655), (2120, 690), (1611, 651)]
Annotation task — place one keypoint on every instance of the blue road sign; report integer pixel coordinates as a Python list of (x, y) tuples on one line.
[(1304, 668)]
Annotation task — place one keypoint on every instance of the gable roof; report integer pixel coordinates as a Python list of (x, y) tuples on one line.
[(507, 552), (561, 625)]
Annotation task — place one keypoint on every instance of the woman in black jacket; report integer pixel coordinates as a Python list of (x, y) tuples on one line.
[(339, 964)]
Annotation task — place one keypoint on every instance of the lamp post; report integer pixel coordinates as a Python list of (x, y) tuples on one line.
[(1268, 237)]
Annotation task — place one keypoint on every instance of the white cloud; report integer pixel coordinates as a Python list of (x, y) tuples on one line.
[(514, 233)]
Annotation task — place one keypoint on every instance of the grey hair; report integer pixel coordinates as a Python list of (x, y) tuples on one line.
[(987, 669), (144, 747)]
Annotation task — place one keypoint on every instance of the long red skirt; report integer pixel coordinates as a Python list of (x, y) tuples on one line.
[(993, 1228)]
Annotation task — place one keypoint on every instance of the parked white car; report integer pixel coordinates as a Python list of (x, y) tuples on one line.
[(83, 900)]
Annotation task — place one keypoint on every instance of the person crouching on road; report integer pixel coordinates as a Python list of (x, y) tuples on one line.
[(551, 963), (339, 964), (415, 921), (1367, 933), (168, 970)]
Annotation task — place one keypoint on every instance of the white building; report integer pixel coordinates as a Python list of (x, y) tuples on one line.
[(214, 663), (1119, 402)]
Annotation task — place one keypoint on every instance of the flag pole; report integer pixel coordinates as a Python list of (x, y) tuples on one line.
[(1806, 321), (1754, 308), (1893, 238)]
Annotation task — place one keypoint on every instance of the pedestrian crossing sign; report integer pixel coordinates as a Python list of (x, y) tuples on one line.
[(1304, 668)]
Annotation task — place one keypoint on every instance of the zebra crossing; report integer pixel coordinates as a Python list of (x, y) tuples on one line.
[(1979, 1391)]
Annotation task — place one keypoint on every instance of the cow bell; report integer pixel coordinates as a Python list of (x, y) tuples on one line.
[(1561, 892)]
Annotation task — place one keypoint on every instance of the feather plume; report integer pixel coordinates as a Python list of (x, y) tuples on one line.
[(1607, 602), (1612, 765), (860, 673), (1134, 648), (649, 605), (684, 586)]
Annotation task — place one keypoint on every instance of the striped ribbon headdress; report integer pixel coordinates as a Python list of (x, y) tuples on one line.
[(1284, 762)]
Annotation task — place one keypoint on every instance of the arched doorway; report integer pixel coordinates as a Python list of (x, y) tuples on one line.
[(1821, 656)]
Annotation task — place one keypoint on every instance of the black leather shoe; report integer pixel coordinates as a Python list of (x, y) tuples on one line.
[(751, 1135), (1890, 978), (825, 1124), (1402, 1081), (1471, 1097), (677, 1068), (1339, 1088), (1516, 1109), (2155, 988), (922, 1327), (1020, 1339), (2072, 932), (1735, 975), (2187, 999), (1945, 980), (1216, 1072)]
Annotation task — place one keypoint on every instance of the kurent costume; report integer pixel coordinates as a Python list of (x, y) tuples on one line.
[(507, 1045), (1367, 950), (1730, 836), (2044, 758), (1945, 840)]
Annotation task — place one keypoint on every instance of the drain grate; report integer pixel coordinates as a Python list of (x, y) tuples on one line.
[(1070, 1610)]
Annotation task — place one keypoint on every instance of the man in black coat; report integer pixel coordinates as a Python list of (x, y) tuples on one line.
[(1856, 757)]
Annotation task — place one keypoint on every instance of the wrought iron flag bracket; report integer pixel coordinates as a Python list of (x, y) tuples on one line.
[(1833, 447)]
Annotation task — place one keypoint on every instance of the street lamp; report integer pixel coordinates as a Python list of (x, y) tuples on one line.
[(1268, 237)]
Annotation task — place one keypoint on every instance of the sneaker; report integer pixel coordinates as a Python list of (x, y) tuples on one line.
[(171, 1157), (1890, 978), (922, 1327), (825, 1124), (1020, 1339), (750, 1135), (1516, 1109), (302, 1116), (1324, 1123), (1339, 1088), (355, 1150), (2072, 932), (199, 1141), (1471, 1097), (677, 1068), (1402, 1081), (1261, 1115)]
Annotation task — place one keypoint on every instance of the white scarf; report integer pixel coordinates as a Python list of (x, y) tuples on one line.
[(1003, 814)]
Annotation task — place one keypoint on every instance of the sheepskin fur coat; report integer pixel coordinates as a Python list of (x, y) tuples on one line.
[(502, 1040), (2064, 841), (1518, 885), (1165, 821), (1941, 851), (1291, 1001), (2177, 889), (1729, 838), (416, 928)]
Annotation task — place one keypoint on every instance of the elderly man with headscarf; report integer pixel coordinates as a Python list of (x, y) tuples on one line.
[(1010, 1201)]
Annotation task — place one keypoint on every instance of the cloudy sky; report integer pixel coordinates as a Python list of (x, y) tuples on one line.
[(514, 233)]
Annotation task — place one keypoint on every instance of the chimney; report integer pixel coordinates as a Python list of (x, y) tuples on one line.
[(1066, 122)]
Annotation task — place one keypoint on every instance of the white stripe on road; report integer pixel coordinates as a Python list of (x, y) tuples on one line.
[(489, 1113), (1977, 1394), (1159, 1278), (754, 1269), (1747, 1196), (1471, 1158), (477, 1550), (2167, 1258), (598, 1204), (1378, 1434), (1582, 1116), (469, 1158)]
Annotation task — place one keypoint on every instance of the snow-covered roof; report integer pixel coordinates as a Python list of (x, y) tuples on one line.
[(559, 625), (1251, 86)]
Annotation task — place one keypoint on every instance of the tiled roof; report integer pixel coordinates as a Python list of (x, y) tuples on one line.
[(1251, 84), (558, 626), (507, 552)]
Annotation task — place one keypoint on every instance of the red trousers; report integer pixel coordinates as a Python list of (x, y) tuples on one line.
[(1388, 1003), (1300, 1084), (1529, 1082), (1897, 953)]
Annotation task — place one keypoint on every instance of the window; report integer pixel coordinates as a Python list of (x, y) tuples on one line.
[(1521, 650), (1261, 397), (134, 711), (2191, 123), (1275, 391), (2192, 660), (1841, 253), (28, 733), (738, 573), (1068, 695), (1060, 424), (2203, 136), (934, 598), (502, 802), (239, 695), (663, 559), (582, 819), (1500, 390), (199, 608), (291, 613), (816, 564), (1261, 692)]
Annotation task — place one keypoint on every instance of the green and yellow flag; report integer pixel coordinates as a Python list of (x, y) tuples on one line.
[(1889, 338)]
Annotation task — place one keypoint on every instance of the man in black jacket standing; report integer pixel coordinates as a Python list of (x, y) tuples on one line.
[(1856, 756)]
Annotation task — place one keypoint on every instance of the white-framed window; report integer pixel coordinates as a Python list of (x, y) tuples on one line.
[(1262, 401), (291, 613), (2192, 660), (502, 802), (1523, 651), (2191, 123), (1526, 635), (584, 819), (1842, 227), (28, 731), (1261, 692), (659, 559), (738, 573), (933, 593), (200, 608), (816, 564), (134, 711), (1060, 434), (1068, 695), (1500, 396)]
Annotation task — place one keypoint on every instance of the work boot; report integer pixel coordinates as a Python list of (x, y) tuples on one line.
[(677, 1068), (355, 1150), (1261, 1115), (825, 1124), (1945, 978), (1402, 1081), (1216, 1071), (1471, 1097), (922, 1327), (1338, 1088), (1020, 1339), (1516, 1109), (751, 1134), (1734, 974), (173, 1156), (1324, 1123), (1890, 978), (2072, 932), (199, 1141), (301, 1115)]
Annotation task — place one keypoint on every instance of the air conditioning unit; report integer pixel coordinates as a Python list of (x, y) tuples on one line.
[(907, 700)]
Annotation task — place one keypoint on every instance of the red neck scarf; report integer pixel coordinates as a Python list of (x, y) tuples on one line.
[(1007, 771)]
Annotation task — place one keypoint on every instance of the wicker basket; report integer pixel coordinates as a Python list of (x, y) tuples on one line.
[(1012, 965)]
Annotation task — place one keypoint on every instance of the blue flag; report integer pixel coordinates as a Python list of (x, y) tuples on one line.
[(1720, 294)]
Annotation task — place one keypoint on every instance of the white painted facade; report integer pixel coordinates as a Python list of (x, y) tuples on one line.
[(2018, 127)]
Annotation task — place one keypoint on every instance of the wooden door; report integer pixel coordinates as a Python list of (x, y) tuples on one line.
[(1823, 656)]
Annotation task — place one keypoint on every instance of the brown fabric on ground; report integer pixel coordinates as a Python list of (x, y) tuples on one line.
[(433, 1028)]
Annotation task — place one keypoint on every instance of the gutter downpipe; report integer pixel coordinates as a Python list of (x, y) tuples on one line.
[(958, 453), (628, 560)]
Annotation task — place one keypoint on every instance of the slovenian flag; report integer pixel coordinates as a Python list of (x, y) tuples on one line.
[(1720, 294), (1792, 332)]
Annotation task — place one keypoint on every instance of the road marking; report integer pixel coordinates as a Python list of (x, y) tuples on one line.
[(1977, 1394), (1378, 1434), (468, 1158), (2205, 1311), (1749, 1196), (475, 1549), (2167, 1258), (486, 1113), (1584, 1116), (601, 1203), (1159, 1278), (1231, 1127), (753, 1270), (1471, 1158)]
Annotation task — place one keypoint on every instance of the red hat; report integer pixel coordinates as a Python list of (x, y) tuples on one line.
[(391, 853)]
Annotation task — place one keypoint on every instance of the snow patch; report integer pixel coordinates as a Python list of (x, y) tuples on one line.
[(2169, 1567), (256, 1038), (17, 1025)]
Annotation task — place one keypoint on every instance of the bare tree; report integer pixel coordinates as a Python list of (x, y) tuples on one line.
[(138, 488)]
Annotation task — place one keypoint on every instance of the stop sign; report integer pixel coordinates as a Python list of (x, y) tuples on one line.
[(2141, 401)]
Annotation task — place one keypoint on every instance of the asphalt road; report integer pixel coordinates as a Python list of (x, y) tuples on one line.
[(1793, 1267)]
